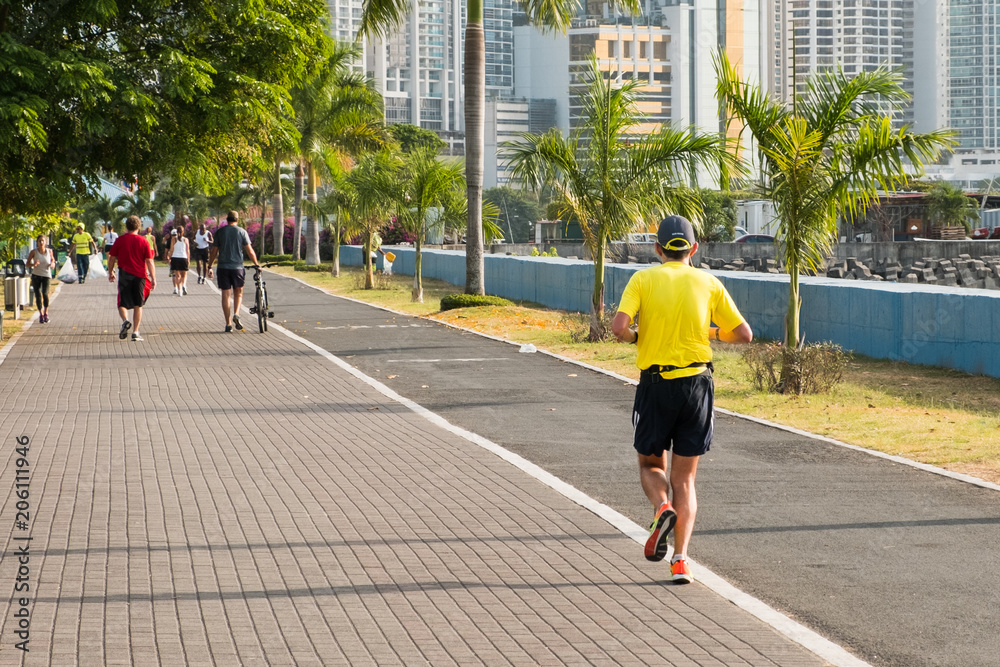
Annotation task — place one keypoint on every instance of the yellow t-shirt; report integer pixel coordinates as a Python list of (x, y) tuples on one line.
[(676, 304), (82, 243)]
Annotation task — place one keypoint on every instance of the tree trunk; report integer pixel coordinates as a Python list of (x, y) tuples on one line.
[(475, 120), (597, 300), (278, 213), (335, 237), (418, 281), (366, 248), (263, 221), (312, 228), (299, 187)]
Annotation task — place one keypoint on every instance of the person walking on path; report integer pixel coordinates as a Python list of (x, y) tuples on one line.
[(136, 275), (674, 306), (40, 262), (228, 247), (84, 247), (109, 239), (180, 261), (202, 241)]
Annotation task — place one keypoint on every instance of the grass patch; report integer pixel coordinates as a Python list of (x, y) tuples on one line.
[(933, 415)]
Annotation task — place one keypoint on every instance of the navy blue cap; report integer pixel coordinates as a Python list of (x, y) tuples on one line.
[(675, 233)]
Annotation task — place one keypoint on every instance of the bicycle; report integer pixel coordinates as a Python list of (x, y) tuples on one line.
[(261, 308)]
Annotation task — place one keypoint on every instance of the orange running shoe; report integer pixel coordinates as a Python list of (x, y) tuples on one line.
[(656, 545), (680, 572)]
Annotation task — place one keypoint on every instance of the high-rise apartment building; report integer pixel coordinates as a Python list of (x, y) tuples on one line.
[(858, 35), (418, 68)]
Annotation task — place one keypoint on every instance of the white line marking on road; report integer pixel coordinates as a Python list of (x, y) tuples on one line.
[(434, 361), (809, 639)]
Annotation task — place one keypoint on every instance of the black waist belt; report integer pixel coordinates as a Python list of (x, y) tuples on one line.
[(655, 372)]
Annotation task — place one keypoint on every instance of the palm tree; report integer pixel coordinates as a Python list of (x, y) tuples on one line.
[(378, 17), (610, 179), (339, 204), (375, 182), (107, 211), (427, 185), (337, 112), (141, 206), (826, 156), (948, 205), (263, 187), (178, 196)]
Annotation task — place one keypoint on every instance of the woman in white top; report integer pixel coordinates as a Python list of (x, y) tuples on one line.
[(202, 241), (180, 260), (109, 239), (40, 262)]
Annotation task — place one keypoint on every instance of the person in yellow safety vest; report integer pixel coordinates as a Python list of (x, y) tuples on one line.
[(83, 246)]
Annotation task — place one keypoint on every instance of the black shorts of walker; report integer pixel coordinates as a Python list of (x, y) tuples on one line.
[(131, 291), (231, 278), (674, 415)]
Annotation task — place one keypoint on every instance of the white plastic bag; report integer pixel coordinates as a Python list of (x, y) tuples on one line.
[(67, 273), (97, 269)]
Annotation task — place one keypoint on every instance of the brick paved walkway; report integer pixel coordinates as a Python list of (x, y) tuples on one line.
[(203, 498)]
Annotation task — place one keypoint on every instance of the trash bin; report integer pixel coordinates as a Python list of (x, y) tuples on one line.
[(10, 300), (15, 269), (23, 289)]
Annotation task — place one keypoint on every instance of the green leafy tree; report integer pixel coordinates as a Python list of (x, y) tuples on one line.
[(410, 138), (948, 205), (611, 180), (827, 155), (518, 211), (339, 204), (107, 212), (428, 183), (375, 181), (379, 16), (139, 204), (139, 89), (719, 211), (338, 112)]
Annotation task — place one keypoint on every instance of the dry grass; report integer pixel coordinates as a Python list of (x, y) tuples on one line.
[(937, 416)]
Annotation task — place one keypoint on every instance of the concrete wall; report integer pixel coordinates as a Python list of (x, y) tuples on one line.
[(952, 327)]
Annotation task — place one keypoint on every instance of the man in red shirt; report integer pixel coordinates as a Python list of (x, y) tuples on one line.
[(134, 257)]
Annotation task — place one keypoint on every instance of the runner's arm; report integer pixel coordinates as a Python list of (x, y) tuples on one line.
[(111, 268), (621, 328), (741, 334), (151, 269)]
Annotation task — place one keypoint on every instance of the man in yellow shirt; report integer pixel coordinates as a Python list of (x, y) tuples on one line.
[(674, 306), (83, 246)]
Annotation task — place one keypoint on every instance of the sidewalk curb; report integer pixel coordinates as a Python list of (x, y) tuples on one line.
[(795, 631), (926, 467)]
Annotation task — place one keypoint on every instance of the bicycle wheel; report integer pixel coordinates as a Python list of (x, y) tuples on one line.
[(261, 310), (262, 313)]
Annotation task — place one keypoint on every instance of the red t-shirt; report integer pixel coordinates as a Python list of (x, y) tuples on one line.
[(132, 251)]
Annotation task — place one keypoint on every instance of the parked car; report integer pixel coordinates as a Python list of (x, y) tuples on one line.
[(739, 231), (755, 238), (985, 233), (640, 238)]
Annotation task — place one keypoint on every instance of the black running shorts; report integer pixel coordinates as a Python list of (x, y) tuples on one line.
[(199, 254), (179, 264), (230, 278), (131, 291), (674, 415)]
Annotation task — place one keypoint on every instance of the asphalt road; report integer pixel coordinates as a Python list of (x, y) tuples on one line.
[(898, 565)]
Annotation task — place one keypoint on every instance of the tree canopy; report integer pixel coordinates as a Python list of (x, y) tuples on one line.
[(133, 89), (411, 138)]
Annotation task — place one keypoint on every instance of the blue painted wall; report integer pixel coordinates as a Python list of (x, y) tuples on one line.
[(940, 326)]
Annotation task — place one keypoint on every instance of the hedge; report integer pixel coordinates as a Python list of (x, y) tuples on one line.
[(313, 268), (265, 259), (452, 301)]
